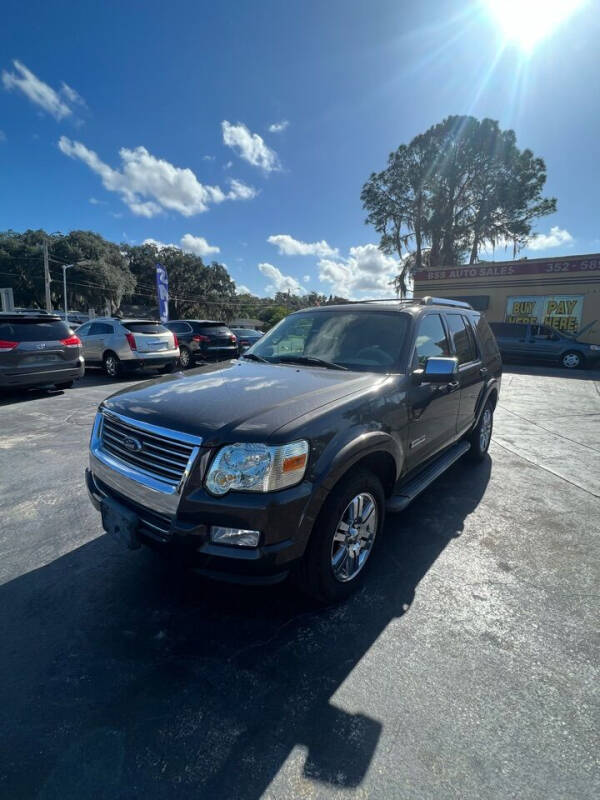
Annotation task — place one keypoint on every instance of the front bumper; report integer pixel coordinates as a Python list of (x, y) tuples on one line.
[(184, 536)]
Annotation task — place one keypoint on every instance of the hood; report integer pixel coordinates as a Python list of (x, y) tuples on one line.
[(236, 399)]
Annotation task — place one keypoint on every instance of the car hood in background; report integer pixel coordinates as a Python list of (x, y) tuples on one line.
[(237, 398)]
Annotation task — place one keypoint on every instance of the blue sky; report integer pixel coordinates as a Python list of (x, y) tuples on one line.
[(223, 125)]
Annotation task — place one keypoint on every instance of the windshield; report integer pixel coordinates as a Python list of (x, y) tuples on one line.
[(358, 340)]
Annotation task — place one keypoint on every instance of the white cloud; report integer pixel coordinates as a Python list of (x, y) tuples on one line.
[(241, 289), (249, 146), (366, 272), (306, 279), (279, 127), (160, 245), (289, 246), (72, 96), (278, 281), (54, 102), (240, 190), (149, 185), (198, 245), (556, 238), (208, 158), (189, 244)]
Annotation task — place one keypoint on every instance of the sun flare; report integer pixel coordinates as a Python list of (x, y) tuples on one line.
[(528, 21)]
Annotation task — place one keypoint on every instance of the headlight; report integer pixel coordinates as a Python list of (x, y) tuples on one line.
[(595, 347), (257, 467)]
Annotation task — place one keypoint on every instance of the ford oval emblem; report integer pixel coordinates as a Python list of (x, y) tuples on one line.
[(131, 444)]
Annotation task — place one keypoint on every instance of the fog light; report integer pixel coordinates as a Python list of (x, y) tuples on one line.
[(235, 536)]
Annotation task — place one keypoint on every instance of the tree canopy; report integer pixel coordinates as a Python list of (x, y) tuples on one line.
[(123, 276), (453, 190)]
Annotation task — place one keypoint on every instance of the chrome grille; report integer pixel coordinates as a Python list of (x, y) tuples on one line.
[(163, 457)]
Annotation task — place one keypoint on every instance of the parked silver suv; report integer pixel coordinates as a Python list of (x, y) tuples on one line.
[(120, 345)]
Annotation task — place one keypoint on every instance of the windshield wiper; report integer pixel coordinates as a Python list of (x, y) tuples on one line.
[(254, 357), (318, 362)]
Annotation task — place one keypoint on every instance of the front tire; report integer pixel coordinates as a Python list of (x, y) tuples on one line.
[(481, 436), (572, 360), (112, 365), (343, 539)]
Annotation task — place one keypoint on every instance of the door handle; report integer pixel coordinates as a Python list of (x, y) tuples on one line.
[(483, 371)]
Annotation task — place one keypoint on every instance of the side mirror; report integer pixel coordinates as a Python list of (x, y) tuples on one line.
[(438, 370)]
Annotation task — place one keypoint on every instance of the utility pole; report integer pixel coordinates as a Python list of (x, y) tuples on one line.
[(64, 269), (47, 277)]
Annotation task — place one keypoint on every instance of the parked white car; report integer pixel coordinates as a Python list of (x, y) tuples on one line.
[(121, 345)]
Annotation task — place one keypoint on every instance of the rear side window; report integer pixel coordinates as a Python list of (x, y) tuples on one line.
[(145, 327), (431, 339), (509, 330), (179, 327), (99, 328), (29, 331), (462, 336), (487, 340)]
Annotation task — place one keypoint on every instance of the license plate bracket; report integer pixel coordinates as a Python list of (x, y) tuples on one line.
[(120, 522)]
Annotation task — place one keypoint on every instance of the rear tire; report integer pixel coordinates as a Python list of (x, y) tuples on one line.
[(185, 358), (64, 385), (112, 365), (481, 435), (339, 553), (572, 360)]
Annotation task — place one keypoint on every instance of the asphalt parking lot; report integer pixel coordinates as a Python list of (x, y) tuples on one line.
[(467, 668)]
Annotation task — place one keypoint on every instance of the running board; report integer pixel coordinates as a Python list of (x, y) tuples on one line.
[(419, 483)]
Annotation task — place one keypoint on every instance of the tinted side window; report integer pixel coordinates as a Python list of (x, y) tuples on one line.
[(431, 339), (508, 330), (487, 340), (103, 327), (179, 327), (84, 330), (462, 337)]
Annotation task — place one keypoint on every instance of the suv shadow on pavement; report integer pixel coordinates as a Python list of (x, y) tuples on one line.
[(123, 678)]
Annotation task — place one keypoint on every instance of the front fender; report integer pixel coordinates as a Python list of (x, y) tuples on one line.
[(342, 452)]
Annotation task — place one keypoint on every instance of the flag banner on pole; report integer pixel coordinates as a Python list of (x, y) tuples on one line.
[(162, 291)]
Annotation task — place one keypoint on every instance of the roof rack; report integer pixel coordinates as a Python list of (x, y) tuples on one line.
[(444, 301), (419, 301), (390, 300)]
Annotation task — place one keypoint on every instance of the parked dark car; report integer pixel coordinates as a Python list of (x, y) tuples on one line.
[(38, 349), (520, 342), (246, 337), (202, 340), (285, 459)]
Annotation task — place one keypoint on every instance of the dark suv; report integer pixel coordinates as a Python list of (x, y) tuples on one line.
[(286, 459), (203, 340), (520, 342), (38, 349)]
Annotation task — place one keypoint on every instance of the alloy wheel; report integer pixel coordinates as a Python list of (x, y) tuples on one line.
[(354, 537), (184, 357), (111, 365), (485, 431)]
